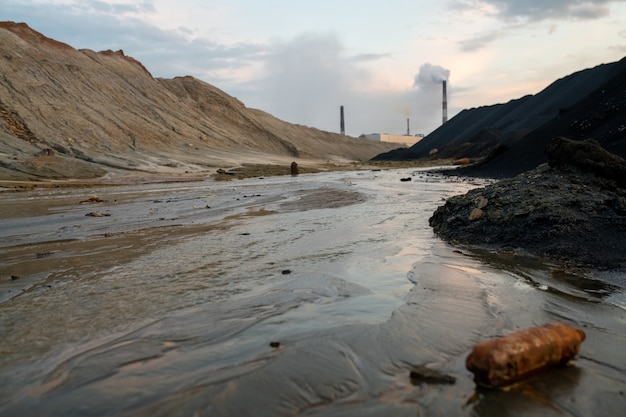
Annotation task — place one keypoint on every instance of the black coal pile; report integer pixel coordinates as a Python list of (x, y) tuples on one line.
[(507, 139)]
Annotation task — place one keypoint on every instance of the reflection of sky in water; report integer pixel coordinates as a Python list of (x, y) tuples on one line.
[(549, 276)]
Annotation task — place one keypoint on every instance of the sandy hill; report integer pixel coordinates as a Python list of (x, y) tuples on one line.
[(68, 113), (587, 104)]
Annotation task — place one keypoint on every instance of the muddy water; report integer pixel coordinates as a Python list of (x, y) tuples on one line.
[(312, 295)]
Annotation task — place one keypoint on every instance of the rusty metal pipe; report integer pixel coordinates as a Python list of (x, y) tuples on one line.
[(517, 356)]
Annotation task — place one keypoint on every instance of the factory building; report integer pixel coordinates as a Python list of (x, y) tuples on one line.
[(385, 137)]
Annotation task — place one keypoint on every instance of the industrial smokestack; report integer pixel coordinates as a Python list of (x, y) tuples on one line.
[(342, 124), (444, 117), (408, 129)]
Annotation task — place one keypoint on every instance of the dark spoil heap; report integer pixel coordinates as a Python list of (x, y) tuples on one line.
[(573, 208)]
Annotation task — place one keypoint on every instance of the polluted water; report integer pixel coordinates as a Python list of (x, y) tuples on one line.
[(313, 295)]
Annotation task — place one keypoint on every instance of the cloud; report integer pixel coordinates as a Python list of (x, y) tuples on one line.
[(538, 10), (369, 57), (517, 15), (117, 8), (167, 53), (479, 41), (308, 78), (93, 25), (589, 11), (620, 49)]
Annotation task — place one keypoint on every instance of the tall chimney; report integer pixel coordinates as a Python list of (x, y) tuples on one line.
[(444, 117), (408, 130), (342, 124)]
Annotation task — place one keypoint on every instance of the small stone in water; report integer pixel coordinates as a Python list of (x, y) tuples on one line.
[(427, 375)]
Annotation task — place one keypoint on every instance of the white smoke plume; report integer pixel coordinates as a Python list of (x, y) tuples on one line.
[(430, 74), (309, 77), (426, 95)]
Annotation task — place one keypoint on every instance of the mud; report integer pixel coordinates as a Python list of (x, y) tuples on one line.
[(178, 304)]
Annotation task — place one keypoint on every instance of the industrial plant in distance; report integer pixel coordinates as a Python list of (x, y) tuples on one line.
[(407, 140)]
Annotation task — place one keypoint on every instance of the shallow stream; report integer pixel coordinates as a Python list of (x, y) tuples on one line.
[(282, 296)]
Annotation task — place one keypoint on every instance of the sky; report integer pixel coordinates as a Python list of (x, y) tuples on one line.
[(300, 60)]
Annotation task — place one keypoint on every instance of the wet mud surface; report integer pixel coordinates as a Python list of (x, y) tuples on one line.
[(309, 295)]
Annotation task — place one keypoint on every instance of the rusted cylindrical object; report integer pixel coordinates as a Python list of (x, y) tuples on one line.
[(509, 359)]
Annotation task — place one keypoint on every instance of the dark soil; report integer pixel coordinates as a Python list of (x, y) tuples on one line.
[(573, 209)]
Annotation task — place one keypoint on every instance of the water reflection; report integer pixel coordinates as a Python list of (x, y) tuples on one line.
[(559, 278), (548, 395)]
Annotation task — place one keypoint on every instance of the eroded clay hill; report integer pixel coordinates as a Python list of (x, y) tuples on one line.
[(72, 113)]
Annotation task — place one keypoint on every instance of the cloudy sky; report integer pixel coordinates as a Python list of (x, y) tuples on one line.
[(301, 59)]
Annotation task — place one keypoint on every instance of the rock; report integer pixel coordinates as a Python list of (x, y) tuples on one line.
[(462, 161), (275, 345), (294, 169), (476, 214), (481, 202), (422, 374), (46, 152), (92, 199), (97, 214), (223, 172)]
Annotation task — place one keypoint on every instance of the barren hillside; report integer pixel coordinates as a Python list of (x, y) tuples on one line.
[(74, 113)]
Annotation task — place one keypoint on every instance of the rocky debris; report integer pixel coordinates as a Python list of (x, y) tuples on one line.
[(573, 209), (97, 214), (423, 374), (92, 199)]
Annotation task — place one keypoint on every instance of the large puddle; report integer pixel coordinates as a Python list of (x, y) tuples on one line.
[(309, 295)]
